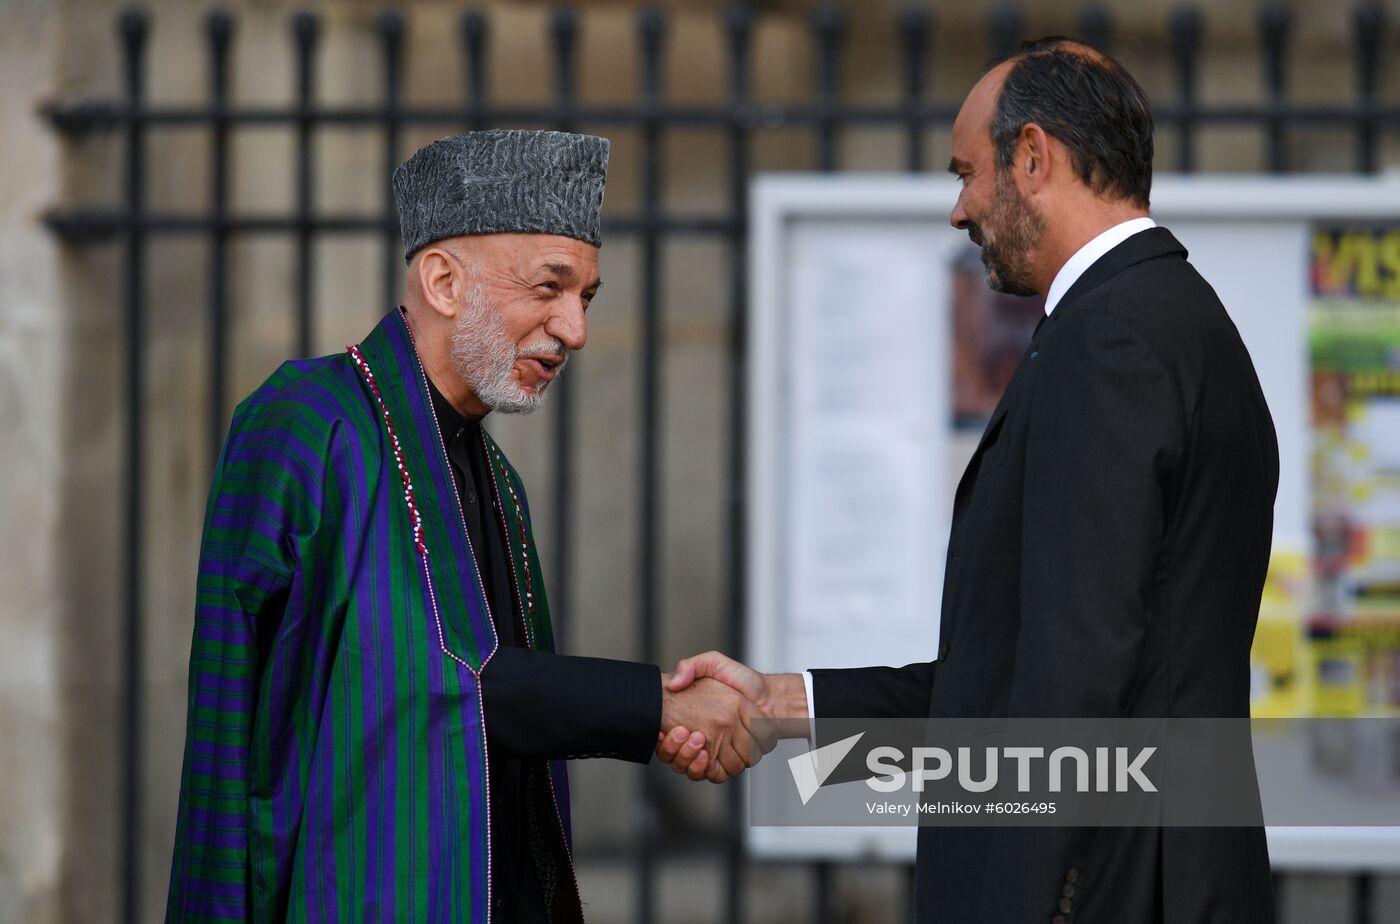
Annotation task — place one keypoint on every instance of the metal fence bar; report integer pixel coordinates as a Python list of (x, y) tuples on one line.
[(564, 28), (1184, 27), (305, 31), (824, 887), (1275, 23), (827, 27), (89, 224), (218, 27), (474, 32), (1363, 900), (134, 28), (1003, 30), (390, 26), (915, 29), (651, 32), (1094, 26), (82, 119), (111, 115), (1368, 29), (739, 32)]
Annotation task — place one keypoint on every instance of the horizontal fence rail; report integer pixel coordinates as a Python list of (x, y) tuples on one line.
[(737, 119)]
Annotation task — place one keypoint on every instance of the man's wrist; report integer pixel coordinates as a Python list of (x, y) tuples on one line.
[(667, 698), (788, 696)]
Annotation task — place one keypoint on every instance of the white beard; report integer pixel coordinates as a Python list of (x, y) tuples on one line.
[(485, 357)]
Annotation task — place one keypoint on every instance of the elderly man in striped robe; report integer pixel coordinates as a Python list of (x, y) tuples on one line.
[(377, 720)]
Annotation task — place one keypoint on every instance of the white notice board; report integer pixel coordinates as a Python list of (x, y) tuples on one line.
[(852, 458)]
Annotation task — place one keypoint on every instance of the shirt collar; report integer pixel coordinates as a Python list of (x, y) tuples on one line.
[(449, 421), (1089, 254)]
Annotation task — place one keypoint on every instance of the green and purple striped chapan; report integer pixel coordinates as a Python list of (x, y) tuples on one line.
[(335, 762)]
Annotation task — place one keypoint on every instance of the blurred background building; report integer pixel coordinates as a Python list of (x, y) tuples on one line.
[(192, 194)]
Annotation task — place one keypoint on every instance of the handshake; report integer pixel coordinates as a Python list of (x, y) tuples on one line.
[(719, 717)]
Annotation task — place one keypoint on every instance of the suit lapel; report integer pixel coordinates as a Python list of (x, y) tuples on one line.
[(1145, 245), (991, 433)]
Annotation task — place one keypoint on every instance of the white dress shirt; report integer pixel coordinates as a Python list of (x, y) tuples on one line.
[(1089, 254), (1068, 275)]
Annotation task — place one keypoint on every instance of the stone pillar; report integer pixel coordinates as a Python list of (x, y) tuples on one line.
[(32, 566)]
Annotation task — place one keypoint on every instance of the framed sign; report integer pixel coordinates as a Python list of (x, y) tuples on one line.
[(876, 352)]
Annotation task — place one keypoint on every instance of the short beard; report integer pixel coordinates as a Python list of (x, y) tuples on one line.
[(484, 355), (1018, 229)]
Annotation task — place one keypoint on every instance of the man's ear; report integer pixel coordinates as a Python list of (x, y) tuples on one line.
[(1034, 164), (439, 278)]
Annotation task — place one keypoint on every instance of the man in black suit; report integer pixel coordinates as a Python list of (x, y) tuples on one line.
[(1111, 534)]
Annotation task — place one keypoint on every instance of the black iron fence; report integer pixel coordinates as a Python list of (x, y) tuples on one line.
[(739, 118)]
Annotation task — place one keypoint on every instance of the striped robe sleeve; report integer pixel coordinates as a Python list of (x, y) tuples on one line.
[(262, 500)]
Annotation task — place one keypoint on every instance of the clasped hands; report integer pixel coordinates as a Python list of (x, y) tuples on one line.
[(717, 715)]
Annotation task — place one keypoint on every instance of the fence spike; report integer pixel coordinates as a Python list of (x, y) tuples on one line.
[(1095, 27), (1004, 30)]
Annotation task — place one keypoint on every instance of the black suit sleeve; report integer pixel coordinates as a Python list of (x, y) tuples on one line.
[(873, 692), (1105, 435), (867, 693), (558, 707)]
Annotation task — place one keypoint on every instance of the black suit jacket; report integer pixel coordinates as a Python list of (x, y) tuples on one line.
[(1109, 543)]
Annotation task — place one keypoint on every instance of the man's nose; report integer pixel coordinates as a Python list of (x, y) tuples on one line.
[(959, 217), (568, 324)]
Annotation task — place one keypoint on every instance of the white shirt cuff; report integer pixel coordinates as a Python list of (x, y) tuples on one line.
[(811, 708)]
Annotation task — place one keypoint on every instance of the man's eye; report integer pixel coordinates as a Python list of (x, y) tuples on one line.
[(550, 286)]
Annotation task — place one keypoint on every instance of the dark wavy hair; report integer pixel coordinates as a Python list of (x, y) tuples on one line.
[(1089, 103)]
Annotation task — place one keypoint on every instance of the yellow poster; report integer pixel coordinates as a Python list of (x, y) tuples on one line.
[(1352, 660)]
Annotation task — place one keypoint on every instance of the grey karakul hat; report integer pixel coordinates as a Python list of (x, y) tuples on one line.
[(497, 181)]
